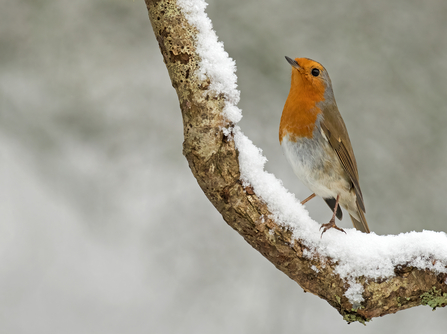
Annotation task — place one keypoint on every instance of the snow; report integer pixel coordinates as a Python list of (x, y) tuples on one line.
[(356, 254), (216, 63)]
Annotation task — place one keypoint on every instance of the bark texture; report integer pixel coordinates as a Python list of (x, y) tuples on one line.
[(213, 160)]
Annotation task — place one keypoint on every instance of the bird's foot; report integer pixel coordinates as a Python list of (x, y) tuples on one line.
[(330, 225)]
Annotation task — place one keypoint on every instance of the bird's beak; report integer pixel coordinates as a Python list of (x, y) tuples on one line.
[(293, 62)]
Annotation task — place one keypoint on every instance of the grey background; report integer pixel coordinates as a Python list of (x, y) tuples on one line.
[(103, 228)]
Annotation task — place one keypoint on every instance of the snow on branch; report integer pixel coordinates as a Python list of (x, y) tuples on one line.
[(362, 275)]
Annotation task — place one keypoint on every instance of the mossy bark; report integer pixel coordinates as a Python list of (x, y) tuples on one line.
[(213, 160)]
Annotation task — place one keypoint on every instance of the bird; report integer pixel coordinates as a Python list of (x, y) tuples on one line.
[(316, 144)]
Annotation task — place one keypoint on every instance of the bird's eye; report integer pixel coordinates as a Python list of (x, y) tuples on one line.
[(315, 72)]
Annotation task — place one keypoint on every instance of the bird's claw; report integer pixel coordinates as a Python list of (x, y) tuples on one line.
[(330, 225)]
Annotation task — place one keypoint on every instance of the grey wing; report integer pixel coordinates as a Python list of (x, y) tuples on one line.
[(335, 131)]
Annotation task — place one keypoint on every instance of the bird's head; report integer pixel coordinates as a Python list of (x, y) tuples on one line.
[(311, 79)]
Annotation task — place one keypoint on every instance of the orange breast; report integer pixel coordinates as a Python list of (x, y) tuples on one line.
[(300, 111)]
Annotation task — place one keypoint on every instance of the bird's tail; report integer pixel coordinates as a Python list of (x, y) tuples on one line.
[(361, 224)]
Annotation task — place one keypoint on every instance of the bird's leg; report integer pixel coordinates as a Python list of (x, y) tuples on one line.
[(308, 199), (331, 223)]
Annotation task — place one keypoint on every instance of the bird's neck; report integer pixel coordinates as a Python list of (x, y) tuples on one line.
[(300, 113)]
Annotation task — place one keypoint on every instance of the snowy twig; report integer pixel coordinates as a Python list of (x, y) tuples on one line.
[(361, 275)]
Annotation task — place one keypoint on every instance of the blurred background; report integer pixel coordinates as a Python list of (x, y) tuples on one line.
[(103, 228)]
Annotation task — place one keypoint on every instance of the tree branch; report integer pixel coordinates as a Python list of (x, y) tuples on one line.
[(213, 160)]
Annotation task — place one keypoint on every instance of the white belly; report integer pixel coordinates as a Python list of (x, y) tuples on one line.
[(316, 164)]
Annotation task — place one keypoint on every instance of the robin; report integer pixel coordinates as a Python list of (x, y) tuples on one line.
[(316, 143)]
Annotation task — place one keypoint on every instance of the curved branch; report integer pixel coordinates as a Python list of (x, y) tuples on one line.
[(213, 159)]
